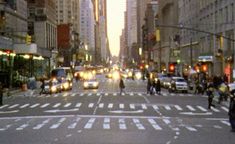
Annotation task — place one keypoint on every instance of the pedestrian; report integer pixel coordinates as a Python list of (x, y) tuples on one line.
[(1, 94), (231, 112), (158, 86), (42, 86), (148, 85), (210, 89), (121, 86)]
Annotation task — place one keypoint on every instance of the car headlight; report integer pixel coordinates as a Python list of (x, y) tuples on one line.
[(116, 75), (66, 85), (85, 84), (138, 75), (75, 74), (53, 89), (96, 84)]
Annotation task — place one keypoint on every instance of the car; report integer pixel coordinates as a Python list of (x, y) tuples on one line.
[(78, 72), (178, 84), (64, 76), (53, 86), (231, 86), (91, 84)]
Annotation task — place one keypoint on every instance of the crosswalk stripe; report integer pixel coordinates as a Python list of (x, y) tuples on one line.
[(144, 106), (190, 108), (106, 124), (82, 94), (122, 124), (98, 94), (191, 128), (65, 94), (140, 94), (73, 95), (155, 107), (226, 123), (13, 106), (167, 107), (121, 106), (39, 126), (154, 124), (114, 94), (45, 105), (224, 108), (56, 95), (90, 123), (22, 127), (132, 106), (24, 106), (101, 105), (110, 105), (164, 94), (67, 105), (4, 106), (214, 109), (202, 108), (55, 126), (47, 96), (35, 105), (178, 108), (138, 124), (166, 121), (91, 105), (90, 94), (56, 105), (106, 94), (78, 104), (131, 94)]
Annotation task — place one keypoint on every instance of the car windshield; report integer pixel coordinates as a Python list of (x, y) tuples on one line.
[(58, 73), (180, 80)]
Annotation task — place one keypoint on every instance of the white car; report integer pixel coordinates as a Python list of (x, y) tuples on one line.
[(91, 84), (231, 86), (178, 84)]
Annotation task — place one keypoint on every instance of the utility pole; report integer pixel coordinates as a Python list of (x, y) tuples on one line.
[(191, 52)]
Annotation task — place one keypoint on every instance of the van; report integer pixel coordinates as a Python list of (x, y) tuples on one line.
[(64, 76)]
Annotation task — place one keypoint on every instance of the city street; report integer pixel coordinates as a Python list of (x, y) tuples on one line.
[(104, 116)]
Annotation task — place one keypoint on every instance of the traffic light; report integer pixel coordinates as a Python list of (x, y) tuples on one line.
[(28, 39), (172, 68)]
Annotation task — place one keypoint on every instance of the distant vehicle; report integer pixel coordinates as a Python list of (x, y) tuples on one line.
[(178, 84), (91, 83), (53, 86), (64, 76), (137, 75), (78, 72)]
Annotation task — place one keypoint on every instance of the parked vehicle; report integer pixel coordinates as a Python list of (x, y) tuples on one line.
[(178, 84)]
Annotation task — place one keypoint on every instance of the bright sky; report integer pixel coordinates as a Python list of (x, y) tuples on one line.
[(115, 16)]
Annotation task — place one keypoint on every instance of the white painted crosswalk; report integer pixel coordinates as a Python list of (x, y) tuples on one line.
[(105, 123)]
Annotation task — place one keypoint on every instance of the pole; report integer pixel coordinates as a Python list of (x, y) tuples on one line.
[(160, 56), (191, 52)]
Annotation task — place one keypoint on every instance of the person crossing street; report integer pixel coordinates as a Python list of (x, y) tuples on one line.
[(210, 89)]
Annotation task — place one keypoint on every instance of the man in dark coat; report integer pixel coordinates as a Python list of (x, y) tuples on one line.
[(121, 86), (158, 87), (210, 95), (1, 93)]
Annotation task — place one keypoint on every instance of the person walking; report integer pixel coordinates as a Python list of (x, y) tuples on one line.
[(42, 86), (158, 87), (121, 86), (210, 95), (1, 94), (231, 112), (148, 85)]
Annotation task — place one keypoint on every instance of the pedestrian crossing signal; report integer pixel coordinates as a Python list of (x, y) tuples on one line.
[(28, 39)]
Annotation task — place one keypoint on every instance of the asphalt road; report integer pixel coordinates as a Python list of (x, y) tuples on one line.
[(104, 116)]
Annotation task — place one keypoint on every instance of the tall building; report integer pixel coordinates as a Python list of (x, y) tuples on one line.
[(13, 31), (131, 9), (43, 29), (87, 28), (68, 22), (211, 50)]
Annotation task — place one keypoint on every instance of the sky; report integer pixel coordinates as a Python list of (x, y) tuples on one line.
[(115, 17)]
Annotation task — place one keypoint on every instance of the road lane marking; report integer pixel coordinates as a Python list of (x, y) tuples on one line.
[(178, 108), (166, 121), (24, 106), (22, 127), (167, 107), (91, 105), (73, 125), (154, 124), (202, 108), (35, 105), (82, 94), (132, 106), (226, 123), (56, 105), (56, 95), (224, 108), (65, 95), (13, 106), (122, 124), (4, 106), (138, 124), (39, 126), (106, 124), (78, 105), (67, 105), (106, 94), (131, 94), (214, 109), (191, 128), (90, 123), (114, 94), (101, 105), (73, 95), (121, 106), (55, 126), (90, 94), (190, 108), (144, 106), (45, 105), (155, 107), (110, 106)]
